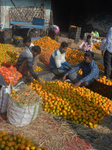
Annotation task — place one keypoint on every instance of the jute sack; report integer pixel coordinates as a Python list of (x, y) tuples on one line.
[(21, 115), (4, 96)]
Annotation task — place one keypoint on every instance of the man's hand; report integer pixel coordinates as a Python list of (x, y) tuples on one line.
[(64, 78), (77, 84), (103, 53)]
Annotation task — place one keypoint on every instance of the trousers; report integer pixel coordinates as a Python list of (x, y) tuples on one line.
[(75, 77), (59, 72), (107, 62)]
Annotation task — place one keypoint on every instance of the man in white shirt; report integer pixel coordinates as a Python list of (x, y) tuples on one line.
[(107, 54), (28, 44)]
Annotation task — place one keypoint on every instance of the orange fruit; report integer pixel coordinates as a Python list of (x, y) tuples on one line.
[(22, 147), (45, 148), (18, 136), (11, 148), (9, 144), (2, 146), (6, 148), (32, 147), (27, 148)]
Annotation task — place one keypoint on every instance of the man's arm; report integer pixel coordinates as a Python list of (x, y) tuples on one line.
[(91, 47), (75, 68), (108, 40), (80, 46), (58, 62), (30, 67), (66, 64)]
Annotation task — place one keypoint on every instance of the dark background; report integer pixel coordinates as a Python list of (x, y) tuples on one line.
[(72, 12)]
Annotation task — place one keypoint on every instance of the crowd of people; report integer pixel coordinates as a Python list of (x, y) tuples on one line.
[(28, 60)]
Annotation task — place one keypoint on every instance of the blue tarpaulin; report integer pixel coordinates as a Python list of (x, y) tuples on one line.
[(35, 38)]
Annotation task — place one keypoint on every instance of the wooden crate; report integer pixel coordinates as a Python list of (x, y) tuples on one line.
[(102, 89), (26, 13)]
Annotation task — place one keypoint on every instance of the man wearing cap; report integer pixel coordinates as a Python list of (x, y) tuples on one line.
[(90, 72)]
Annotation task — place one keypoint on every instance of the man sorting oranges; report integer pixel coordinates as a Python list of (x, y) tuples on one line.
[(58, 64), (90, 72)]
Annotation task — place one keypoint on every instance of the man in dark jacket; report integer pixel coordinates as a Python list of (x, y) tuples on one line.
[(25, 62)]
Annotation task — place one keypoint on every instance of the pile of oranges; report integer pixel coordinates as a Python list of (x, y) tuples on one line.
[(96, 45), (46, 43), (38, 69), (11, 76), (100, 66), (17, 142), (104, 80), (80, 71), (73, 56), (11, 61), (45, 57), (6, 52), (80, 105)]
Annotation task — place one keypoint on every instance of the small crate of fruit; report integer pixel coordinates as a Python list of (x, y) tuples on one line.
[(8, 62), (103, 86)]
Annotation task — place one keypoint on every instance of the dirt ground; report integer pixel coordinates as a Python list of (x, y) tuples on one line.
[(100, 138)]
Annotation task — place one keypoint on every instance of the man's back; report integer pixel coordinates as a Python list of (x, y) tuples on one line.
[(26, 54), (56, 58)]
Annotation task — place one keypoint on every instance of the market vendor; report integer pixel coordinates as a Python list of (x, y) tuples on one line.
[(90, 72), (87, 44), (28, 44), (58, 64), (25, 62), (53, 31)]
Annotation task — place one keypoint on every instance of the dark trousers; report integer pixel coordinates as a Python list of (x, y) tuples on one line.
[(75, 77), (107, 62), (59, 72)]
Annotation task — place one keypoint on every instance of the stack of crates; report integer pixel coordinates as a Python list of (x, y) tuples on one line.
[(6, 36), (74, 33)]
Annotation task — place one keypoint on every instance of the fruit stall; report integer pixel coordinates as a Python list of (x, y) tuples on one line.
[(52, 115)]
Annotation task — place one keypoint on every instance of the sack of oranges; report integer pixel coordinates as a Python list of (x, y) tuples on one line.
[(45, 57), (10, 75)]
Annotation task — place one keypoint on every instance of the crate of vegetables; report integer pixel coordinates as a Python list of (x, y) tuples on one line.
[(103, 86)]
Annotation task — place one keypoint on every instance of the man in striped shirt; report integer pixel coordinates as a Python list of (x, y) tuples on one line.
[(90, 71), (58, 64)]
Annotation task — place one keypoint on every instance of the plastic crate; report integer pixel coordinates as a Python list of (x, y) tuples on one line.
[(7, 33), (102, 89), (38, 21), (74, 33)]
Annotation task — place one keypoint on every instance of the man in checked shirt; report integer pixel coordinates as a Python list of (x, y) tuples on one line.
[(90, 72)]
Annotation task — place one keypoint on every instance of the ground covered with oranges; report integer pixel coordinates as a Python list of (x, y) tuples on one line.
[(60, 117)]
